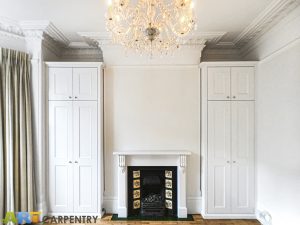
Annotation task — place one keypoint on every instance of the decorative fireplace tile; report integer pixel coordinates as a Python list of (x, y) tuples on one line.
[(168, 174), (152, 191), (169, 204), (168, 183), (169, 194), (136, 183), (136, 204), (136, 174), (136, 194)]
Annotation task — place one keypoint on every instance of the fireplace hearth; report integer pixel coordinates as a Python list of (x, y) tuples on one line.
[(152, 191)]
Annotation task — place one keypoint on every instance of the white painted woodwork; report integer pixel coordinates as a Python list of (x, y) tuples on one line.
[(153, 152), (227, 137), (230, 157), (75, 138), (230, 83), (219, 83), (219, 157), (242, 156), (85, 156), (152, 158), (85, 83), (60, 156), (242, 83), (60, 83)]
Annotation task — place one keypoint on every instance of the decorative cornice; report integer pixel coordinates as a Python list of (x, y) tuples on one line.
[(221, 54), (210, 37), (10, 28), (197, 38), (266, 20), (44, 31), (77, 45), (82, 54), (52, 45), (31, 28)]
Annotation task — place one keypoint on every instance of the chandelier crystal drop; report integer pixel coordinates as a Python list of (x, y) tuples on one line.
[(150, 26)]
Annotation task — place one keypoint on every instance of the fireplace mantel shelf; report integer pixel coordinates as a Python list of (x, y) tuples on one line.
[(154, 152)]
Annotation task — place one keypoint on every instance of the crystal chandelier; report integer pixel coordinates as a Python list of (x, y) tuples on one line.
[(150, 26)]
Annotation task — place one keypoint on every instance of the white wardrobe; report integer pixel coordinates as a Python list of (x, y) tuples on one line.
[(228, 103), (75, 138)]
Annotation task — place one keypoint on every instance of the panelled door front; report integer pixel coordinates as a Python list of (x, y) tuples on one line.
[(242, 153), (242, 83), (85, 156), (60, 84), (218, 83), (85, 83), (60, 156), (219, 157)]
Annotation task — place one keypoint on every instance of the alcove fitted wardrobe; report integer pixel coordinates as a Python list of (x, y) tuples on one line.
[(75, 138), (228, 101)]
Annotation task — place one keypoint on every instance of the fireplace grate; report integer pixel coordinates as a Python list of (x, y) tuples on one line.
[(152, 191)]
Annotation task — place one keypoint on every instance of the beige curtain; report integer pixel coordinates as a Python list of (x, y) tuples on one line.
[(16, 162)]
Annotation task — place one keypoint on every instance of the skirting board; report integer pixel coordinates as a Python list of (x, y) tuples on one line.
[(193, 205), (229, 216)]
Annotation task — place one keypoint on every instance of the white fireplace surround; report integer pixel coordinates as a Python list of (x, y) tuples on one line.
[(152, 158)]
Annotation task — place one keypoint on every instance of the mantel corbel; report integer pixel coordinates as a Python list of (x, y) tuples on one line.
[(182, 162), (122, 162)]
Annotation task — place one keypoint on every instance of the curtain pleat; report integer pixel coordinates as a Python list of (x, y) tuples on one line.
[(16, 151)]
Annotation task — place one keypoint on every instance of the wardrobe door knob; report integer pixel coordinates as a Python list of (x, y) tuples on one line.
[(70, 161), (227, 97), (234, 97), (70, 97), (76, 162)]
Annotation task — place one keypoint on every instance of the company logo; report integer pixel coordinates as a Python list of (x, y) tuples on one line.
[(22, 217), (34, 217)]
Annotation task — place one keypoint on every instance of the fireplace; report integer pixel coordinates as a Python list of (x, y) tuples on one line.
[(152, 191), (143, 163)]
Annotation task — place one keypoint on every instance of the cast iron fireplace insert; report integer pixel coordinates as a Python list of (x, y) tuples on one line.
[(152, 191)]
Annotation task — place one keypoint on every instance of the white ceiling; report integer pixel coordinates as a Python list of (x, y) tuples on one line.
[(72, 16)]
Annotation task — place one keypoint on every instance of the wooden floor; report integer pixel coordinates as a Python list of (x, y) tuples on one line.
[(106, 220)]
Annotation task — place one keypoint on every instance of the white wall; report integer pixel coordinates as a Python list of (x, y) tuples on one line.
[(13, 43), (278, 136), (152, 108)]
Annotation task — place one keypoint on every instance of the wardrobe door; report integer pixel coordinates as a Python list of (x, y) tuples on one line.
[(85, 83), (242, 157), (218, 188), (218, 83), (60, 84), (60, 157), (242, 83), (85, 156)]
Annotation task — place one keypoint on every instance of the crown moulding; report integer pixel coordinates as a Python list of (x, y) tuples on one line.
[(32, 29), (55, 39), (36, 28), (10, 28), (265, 21), (197, 38)]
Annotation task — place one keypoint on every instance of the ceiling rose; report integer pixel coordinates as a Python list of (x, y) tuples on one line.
[(150, 26)]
